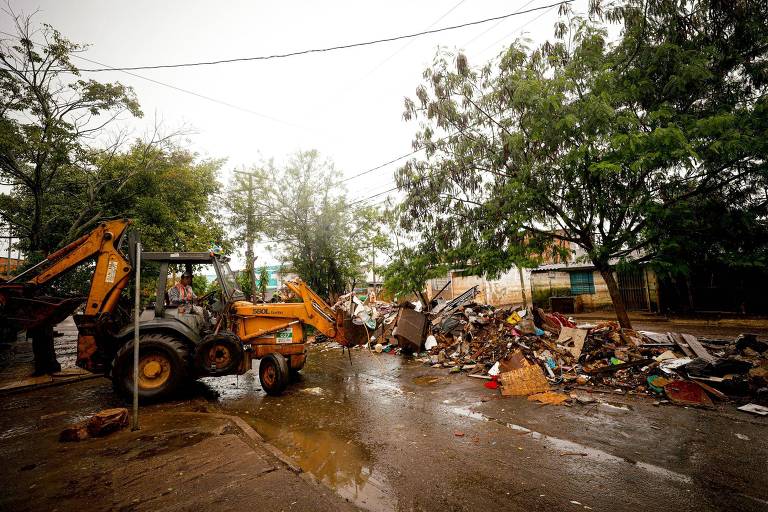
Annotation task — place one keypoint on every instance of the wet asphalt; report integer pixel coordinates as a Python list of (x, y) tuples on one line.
[(388, 433)]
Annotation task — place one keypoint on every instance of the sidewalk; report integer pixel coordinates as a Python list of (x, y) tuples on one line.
[(17, 362), (716, 326), (177, 461)]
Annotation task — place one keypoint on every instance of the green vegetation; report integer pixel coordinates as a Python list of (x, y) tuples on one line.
[(303, 211), (66, 172), (586, 142)]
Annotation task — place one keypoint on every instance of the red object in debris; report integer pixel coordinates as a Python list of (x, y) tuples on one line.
[(458, 433), (493, 383), (684, 392)]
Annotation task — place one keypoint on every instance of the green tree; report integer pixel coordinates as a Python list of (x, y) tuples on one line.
[(302, 211), (244, 282), (263, 281), (48, 113), (583, 142)]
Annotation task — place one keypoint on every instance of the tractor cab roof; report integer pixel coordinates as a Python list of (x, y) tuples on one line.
[(198, 258)]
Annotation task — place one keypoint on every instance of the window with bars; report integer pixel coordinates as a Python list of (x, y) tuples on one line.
[(582, 282)]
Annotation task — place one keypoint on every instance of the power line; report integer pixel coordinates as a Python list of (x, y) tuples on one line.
[(326, 49), (192, 93), (374, 195), (446, 13), (381, 166), (179, 89), (516, 30), (481, 34)]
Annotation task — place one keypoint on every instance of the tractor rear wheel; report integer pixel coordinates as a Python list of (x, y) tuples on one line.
[(273, 374), (163, 367)]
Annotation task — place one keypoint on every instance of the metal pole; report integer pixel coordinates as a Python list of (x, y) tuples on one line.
[(251, 221), (136, 315)]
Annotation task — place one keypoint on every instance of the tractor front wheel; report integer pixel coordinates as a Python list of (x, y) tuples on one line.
[(273, 374), (163, 367)]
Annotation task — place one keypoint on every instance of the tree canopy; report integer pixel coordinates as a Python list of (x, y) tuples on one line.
[(302, 210), (49, 120), (65, 172), (584, 141)]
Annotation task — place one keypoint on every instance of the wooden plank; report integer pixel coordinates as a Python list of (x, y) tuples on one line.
[(614, 367), (697, 348), (681, 343)]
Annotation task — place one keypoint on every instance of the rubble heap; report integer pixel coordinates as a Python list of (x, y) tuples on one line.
[(526, 352)]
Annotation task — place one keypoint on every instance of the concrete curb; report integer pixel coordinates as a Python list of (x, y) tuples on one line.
[(55, 382), (251, 434), (256, 438)]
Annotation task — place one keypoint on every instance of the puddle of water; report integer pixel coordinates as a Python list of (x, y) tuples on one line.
[(571, 446), (343, 465)]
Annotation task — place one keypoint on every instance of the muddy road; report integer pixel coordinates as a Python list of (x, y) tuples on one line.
[(388, 433)]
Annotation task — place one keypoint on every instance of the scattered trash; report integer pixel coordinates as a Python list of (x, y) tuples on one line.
[(549, 398), (526, 352), (754, 409), (458, 433), (742, 437)]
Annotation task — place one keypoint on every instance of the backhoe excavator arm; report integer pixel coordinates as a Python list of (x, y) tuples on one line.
[(312, 310), (112, 271), (23, 307)]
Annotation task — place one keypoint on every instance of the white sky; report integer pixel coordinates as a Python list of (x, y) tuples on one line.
[(347, 104)]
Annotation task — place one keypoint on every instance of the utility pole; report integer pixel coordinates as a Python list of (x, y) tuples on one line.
[(373, 267), (250, 235)]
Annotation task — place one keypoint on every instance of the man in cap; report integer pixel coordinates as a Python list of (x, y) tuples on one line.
[(181, 293)]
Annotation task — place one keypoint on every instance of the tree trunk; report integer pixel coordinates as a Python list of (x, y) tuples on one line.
[(689, 292), (618, 301), (522, 286)]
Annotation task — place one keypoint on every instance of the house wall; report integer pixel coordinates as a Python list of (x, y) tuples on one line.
[(539, 286), (505, 290), (558, 284)]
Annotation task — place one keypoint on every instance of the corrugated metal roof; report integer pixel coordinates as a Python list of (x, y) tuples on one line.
[(567, 267)]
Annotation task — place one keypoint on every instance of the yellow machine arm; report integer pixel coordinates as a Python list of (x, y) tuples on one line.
[(112, 269), (257, 320)]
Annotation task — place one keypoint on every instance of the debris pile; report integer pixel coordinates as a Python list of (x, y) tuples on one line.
[(526, 353)]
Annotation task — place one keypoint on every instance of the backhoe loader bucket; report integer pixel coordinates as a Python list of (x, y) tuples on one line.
[(349, 334), (21, 312)]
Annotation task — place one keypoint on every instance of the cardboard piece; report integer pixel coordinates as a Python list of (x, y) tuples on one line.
[(572, 339), (549, 398), (525, 381)]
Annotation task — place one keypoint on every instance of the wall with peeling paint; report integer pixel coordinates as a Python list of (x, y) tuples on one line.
[(506, 289)]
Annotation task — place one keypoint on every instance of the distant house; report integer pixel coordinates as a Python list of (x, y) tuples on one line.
[(573, 286), (582, 286), (8, 266), (277, 278)]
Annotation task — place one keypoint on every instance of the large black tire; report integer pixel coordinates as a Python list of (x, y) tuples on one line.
[(218, 355), (163, 367), (273, 374)]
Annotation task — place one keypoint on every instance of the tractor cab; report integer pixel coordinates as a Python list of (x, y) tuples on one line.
[(201, 317)]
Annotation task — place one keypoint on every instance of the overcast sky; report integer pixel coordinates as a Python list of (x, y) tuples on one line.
[(347, 104)]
